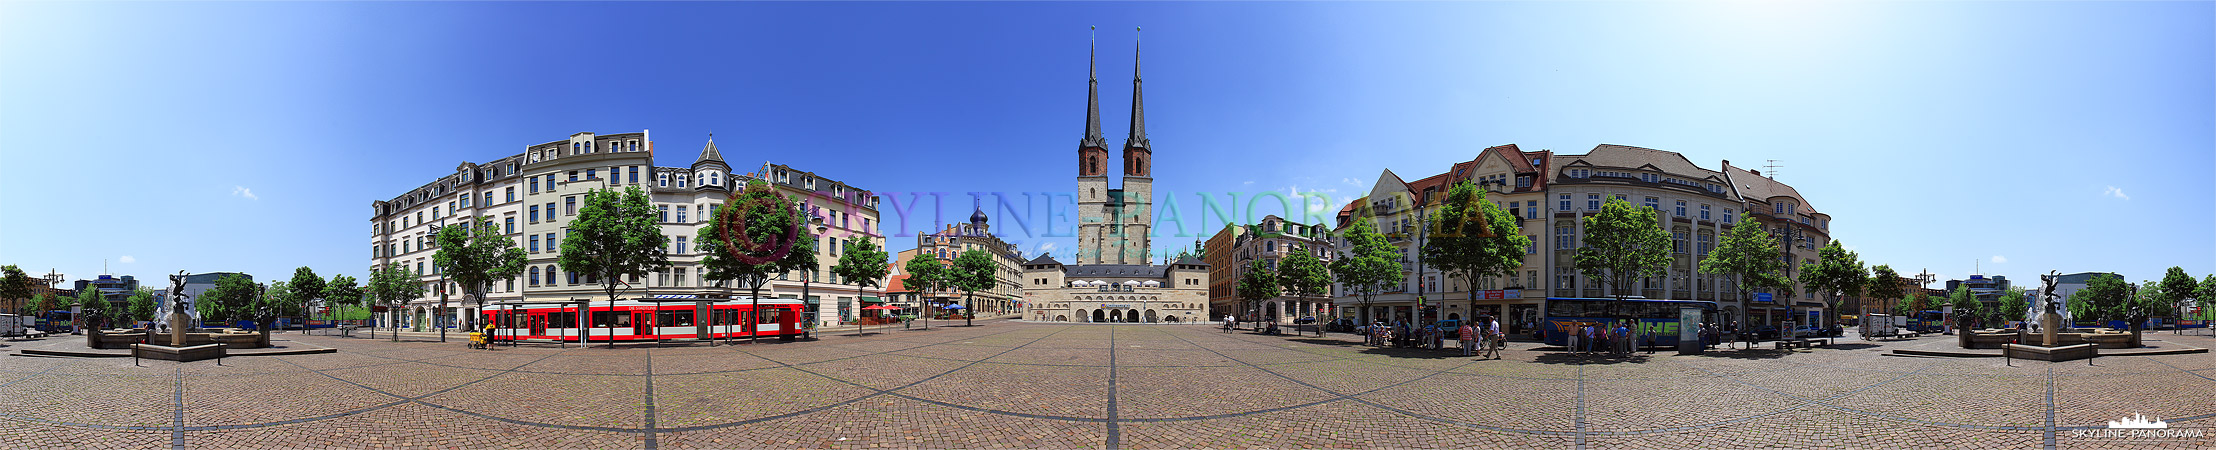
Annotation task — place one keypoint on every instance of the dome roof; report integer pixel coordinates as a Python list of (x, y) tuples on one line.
[(978, 217)]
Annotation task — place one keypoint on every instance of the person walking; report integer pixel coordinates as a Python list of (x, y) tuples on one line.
[(1495, 336)]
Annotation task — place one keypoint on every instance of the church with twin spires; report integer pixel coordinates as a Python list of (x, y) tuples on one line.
[(1113, 277)]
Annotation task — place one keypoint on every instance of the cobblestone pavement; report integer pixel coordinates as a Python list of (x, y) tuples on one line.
[(1007, 384)]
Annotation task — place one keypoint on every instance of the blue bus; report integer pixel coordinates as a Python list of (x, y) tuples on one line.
[(1928, 322), (1657, 318)]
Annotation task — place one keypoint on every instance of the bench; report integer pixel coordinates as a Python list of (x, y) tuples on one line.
[(1783, 344)]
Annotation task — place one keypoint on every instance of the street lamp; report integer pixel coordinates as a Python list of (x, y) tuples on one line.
[(807, 276), (440, 317)]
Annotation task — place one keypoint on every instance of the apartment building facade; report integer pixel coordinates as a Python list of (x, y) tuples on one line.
[(1551, 194), (532, 196)]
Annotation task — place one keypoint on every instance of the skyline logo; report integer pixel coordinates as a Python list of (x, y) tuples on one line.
[(2138, 421), (2138, 427)]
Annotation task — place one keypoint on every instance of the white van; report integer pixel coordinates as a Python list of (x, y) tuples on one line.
[(13, 325)]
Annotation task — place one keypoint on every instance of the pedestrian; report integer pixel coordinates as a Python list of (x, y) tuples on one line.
[(1469, 338), (1499, 339)]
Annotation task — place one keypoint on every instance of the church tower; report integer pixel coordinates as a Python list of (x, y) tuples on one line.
[(1138, 181), (1092, 174)]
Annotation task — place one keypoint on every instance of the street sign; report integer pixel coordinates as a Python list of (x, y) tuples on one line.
[(1762, 297)]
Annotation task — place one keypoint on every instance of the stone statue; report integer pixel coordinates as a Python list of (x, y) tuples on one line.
[(2050, 320), (178, 321)]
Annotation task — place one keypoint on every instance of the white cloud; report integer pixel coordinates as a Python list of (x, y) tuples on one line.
[(2000, 259), (242, 191), (127, 259), (1046, 247), (1351, 182), (2116, 192), (1247, 183)]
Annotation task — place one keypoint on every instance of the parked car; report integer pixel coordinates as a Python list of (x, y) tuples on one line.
[(1304, 320)]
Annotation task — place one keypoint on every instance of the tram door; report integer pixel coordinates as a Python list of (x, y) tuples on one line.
[(642, 323), (538, 324)]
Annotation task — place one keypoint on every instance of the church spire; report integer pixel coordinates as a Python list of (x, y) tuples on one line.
[(1138, 106), (1092, 100)]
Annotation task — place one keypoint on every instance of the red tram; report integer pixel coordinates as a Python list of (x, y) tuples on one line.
[(653, 318)]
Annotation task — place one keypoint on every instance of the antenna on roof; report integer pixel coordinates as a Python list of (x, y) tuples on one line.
[(1771, 168)]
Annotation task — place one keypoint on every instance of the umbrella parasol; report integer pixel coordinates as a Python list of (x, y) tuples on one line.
[(875, 308)]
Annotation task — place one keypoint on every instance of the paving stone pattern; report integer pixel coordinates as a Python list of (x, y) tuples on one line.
[(1006, 384)]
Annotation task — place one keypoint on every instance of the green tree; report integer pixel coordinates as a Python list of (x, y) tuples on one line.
[(1837, 272), (2103, 299), (2154, 300), (306, 288), (1966, 307), (391, 287), (2014, 305), (1474, 238), (862, 263), (477, 254), (343, 290), (926, 275), (90, 308), (142, 304), (1303, 275), (15, 287), (1258, 284), (615, 235), (1750, 256), (2207, 297), (755, 235), (236, 298), (1885, 284), (2177, 287), (973, 271), (42, 303), (1369, 264), (1623, 244)]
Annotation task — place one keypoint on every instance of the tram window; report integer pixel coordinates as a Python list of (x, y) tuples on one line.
[(768, 317), (674, 319), (562, 320)]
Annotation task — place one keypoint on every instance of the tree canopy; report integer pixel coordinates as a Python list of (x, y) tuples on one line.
[(1368, 264), (1302, 274), (862, 263), (614, 235), (1837, 272), (476, 253), (755, 235), (15, 286), (1474, 238), (974, 270), (1623, 244), (1751, 256), (1258, 283)]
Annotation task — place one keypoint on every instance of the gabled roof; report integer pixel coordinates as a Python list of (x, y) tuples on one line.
[(1044, 258), (1190, 260), (1755, 187), (1612, 155)]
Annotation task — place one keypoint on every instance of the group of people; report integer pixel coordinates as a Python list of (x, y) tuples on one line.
[(1483, 337), (1596, 338)]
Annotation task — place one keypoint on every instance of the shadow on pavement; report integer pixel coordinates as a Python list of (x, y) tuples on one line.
[(1852, 346), (1568, 358), (1415, 353), (1322, 341), (1745, 354)]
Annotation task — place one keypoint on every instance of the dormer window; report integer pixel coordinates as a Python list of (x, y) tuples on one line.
[(1581, 173), (661, 179)]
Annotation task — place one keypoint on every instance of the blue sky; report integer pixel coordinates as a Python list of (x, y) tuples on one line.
[(252, 136)]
